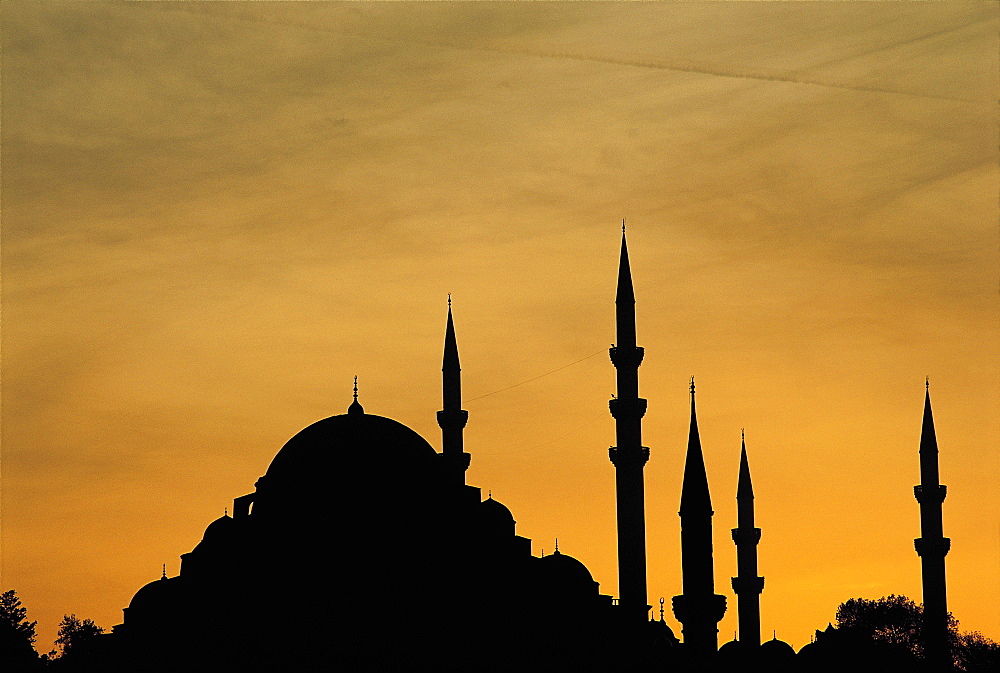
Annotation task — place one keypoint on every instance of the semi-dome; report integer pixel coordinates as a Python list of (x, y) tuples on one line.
[(154, 593), (496, 518), (567, 572), (496, 512), (216, 534), (347, 440), (218, 528)]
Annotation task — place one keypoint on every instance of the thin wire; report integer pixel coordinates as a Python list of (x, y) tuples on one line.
[(576, 431), (536, 377)]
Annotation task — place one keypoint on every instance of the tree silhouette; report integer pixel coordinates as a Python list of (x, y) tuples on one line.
[(17, 635), (975, 653), (76, 639), (892, 620), (897, 621)]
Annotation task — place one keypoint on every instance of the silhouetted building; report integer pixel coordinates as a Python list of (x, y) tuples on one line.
[(932, 546), (362, 548)]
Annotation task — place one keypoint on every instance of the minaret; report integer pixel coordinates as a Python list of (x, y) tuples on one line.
[(452, 418), (932, 546), (698, 608), (629, 456), (747, 584)]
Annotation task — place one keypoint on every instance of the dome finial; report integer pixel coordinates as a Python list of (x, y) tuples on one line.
[(164, 576), (662, 600), (355, 407), (557, 546)]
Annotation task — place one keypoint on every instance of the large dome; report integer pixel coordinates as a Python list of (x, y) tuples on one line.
[(348, 440)]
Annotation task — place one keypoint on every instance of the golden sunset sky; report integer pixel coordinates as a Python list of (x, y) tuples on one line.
[(216, 214)]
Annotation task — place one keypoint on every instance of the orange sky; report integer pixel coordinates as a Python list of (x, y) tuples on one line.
[(214, 215)]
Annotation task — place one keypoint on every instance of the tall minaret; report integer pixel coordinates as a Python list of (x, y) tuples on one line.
[(629, 456), (932, 546), (747, 584), (452, 418), (698, 608)]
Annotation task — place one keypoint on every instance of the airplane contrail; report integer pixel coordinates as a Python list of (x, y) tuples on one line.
[(676, 65)]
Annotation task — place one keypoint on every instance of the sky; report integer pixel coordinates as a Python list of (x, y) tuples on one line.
[(215, 215)]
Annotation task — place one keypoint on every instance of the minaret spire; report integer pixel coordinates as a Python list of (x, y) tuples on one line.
[(698, 608), (629, 456), (932, 546), (452, 418), (747, 585)]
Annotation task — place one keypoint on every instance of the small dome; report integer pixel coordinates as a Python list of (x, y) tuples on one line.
[(564, 570), (810, 650), (218, 528), (732, 648), (495, 511), (776, 648), (154, 593), (662, 631)]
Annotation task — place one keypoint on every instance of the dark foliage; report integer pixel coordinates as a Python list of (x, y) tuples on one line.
[(896, 621), (975, 653), (892, 620), (76, 635), (17, 635)]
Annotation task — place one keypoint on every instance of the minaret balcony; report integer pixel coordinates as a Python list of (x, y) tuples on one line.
[(699, 609), (455, 463), (742, 536), (931, 546), (628, 456), (624, 408), (626, 356), (932, 495), (748, 585), (453, 418)]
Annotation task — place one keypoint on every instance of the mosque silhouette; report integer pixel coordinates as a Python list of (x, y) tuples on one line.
[(314, 568)]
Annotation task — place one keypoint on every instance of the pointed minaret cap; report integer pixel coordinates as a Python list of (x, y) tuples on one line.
[(451, 361), (695, 497), (625, 292), (929, 475), (744, 487), (928, 438), (355, 407)]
